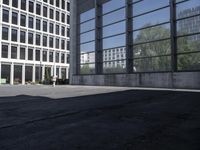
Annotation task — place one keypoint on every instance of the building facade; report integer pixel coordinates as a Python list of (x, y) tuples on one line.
[(34, 42), (159, 42)]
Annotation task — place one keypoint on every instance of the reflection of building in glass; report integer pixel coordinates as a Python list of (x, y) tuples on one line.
[(192, 24), (135, 43), (34, 40)]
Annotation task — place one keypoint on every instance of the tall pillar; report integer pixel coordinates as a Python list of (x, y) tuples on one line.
[(23, 74), (43, 72), (60, 75), (12, 74), (33, 74), (67, 72), (0, 73)]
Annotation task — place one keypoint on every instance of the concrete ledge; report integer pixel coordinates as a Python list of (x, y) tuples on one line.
[(182, 80)]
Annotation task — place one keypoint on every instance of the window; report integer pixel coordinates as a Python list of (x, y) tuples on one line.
[(57, 3), (63, 44), (23, 20), (44, 11), (4, 52), (68, 45), (30, 54), (22, 36), (44, 56), (50, 56), (23, 4), (6, 2), (45, 1), (51, 2), (30, 22), (51, 42), (37, 24), (30, 38), (68, 32), (5, 15), (38, 9), (57, 29), (63, 31), (51, 14), (15, 3), (51, 27), (63, 4), (14, 35), (45, 26), (57, 57), (68, 19), (37, 55), (57, 16), (4, 33), (14, 17), (13, 52), (37, 39), (57, 43), (22, 53), (44, 41), (31, 7), (68, 6), (63, 18), (62, 58)]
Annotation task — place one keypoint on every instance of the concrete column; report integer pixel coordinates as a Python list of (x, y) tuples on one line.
[(67, 72), (0, 73), (33, 75), (60, 75), (23, 74), (52, 71), (12, 74), (43, 72)]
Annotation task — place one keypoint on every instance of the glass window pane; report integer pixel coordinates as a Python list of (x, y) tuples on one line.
[(88, 47), (112, 5), (88, 36), (114, 29), (152, 64), (114, 66), (90, 25), (116, 41), (87, 15), (87, 57), (87, 69)]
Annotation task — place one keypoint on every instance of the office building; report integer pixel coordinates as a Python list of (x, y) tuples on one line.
[(34, 43)]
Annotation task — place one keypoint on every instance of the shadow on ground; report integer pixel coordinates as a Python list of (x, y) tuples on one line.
[(128, 120)]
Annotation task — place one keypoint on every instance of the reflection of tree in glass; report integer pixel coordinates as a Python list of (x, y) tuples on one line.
[(86, 69), (156, 48)]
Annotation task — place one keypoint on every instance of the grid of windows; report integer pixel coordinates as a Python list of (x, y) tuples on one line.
[(152, 36), (35, 23)]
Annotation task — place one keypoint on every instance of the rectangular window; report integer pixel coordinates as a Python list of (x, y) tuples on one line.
[(68, 6), (14, 35), (6, 2), (15, 3), (63, 4), (57, 29), (57, 16), (45, 26), (51, 42), (37, 55), (68, 19), (38, 9), (30, 22), (31, 7), (44, 11), (51, 27), (4, 52), (51, 2), (22, 36), (57, 57), (68, 45), (37, 39), (37, 24), (68, 32), (13, 52), (23, 20), (44, 41), (50, 56), (63, 31), (4, 33), (30, 38), (63, 18), (22, 53), (14, 18), (57, 43), (63, 44), (23, 4), (5, 15), (63, 58), (44, 56), (57, 3), (30, 54), (51, 15)]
